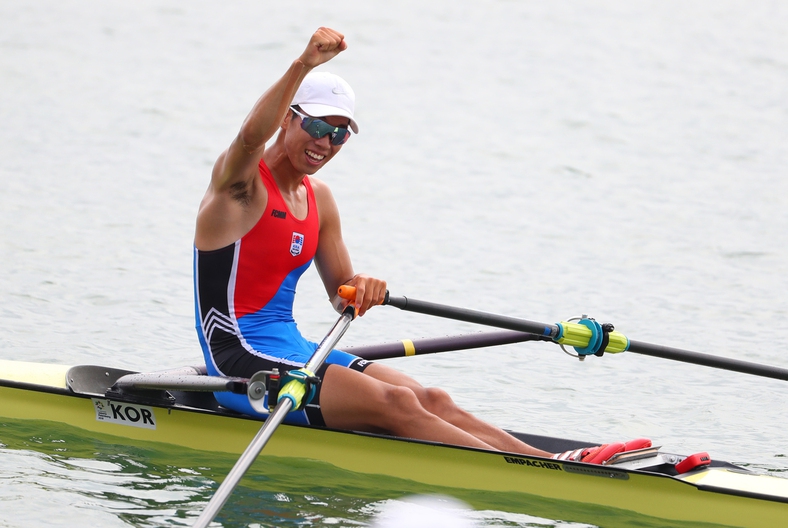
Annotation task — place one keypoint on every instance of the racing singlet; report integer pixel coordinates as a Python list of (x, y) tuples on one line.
[(244, 295), (244, 292)]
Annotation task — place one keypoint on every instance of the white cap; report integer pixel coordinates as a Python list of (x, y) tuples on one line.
[(323, 94)]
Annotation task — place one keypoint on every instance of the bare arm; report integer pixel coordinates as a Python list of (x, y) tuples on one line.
[(235, 195), (333, 260), (239, 162)]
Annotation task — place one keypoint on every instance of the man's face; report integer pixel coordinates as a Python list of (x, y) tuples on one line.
[(306, 153)]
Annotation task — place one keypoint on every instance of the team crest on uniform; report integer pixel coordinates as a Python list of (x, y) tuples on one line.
[(296, 244)]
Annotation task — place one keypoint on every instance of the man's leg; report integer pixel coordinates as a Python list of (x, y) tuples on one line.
[(439, 403), (382, 399), (352, 400)]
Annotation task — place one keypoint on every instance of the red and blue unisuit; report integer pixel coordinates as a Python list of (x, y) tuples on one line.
[(244, 297)]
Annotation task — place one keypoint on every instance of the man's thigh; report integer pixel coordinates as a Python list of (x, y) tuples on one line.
[(392, 376), (353, 400)]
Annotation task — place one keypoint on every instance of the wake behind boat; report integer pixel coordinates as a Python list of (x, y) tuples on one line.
[(647, 482)]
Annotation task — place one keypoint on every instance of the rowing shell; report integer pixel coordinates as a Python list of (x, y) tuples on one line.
[(645, 484)]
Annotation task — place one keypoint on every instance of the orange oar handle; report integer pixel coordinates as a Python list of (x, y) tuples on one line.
[(349, 293)]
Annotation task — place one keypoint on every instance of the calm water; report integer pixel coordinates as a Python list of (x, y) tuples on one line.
[(541, 160)]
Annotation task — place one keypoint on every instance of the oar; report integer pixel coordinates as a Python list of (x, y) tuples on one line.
[(418, 347), (587, 336), (290, 396)]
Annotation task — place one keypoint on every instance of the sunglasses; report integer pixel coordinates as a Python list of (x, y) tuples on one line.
[(318, 128)]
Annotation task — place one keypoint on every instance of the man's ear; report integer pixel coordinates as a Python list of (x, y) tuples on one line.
[(286, 119)]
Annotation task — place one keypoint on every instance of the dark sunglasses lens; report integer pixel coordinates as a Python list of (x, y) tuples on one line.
[(318, 128), (340, 136)]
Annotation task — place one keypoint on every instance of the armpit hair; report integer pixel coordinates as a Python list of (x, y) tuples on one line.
[(239, 191)]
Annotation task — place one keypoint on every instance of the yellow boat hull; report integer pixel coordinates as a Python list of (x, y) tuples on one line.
[(715, 495)]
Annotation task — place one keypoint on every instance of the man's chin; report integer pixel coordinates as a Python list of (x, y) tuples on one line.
[(311, 168)]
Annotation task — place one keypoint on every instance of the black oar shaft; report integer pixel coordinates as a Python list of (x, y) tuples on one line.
[(418, 347), (500, 321), (473, 316), (707, 360)]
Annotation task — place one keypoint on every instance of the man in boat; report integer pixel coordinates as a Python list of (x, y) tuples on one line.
[(263, 219)]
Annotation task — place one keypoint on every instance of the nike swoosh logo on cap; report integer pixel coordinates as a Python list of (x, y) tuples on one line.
[(338, 91)]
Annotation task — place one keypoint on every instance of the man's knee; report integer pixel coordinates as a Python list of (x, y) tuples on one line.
[(436, 397), (402, 407), (437, 401), (401, 398)]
